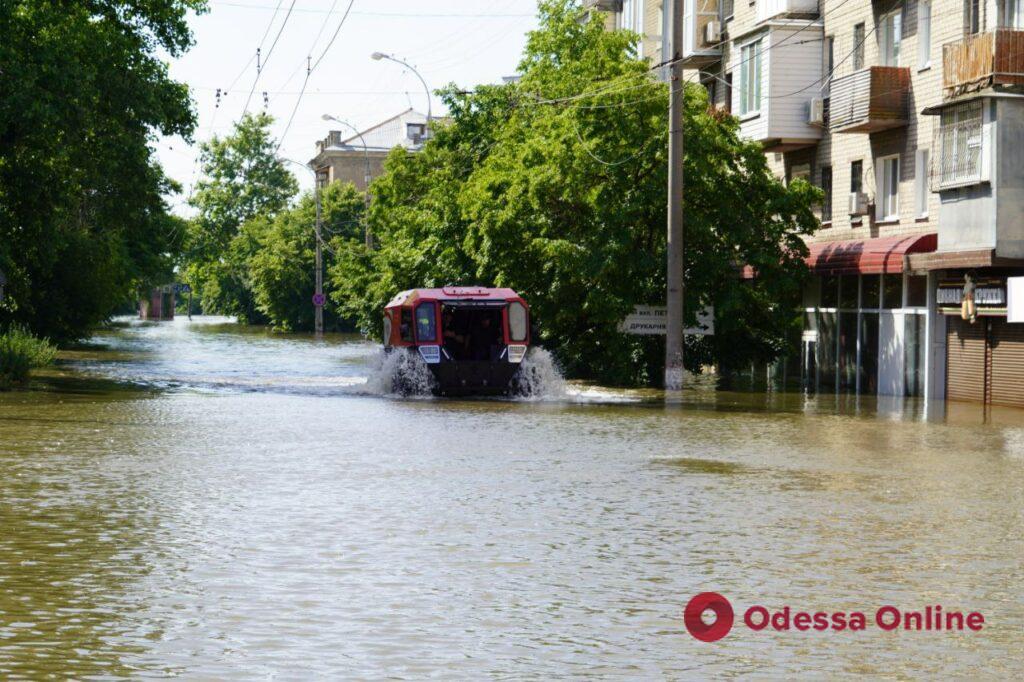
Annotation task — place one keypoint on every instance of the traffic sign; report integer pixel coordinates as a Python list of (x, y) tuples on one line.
[(319, 300)]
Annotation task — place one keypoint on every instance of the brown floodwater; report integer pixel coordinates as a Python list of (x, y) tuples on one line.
[(213, 501)]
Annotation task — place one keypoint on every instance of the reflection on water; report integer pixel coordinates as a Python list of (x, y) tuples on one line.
[(216, 501)]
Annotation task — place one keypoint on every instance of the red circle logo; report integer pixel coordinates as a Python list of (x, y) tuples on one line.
[(716, 603)]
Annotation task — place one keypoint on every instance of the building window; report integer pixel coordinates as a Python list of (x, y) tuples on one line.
[(856, 177), (1012, 13), (924, 34), (829, 61), (727, 9), (921, 183), (858, 47), (960, 140), (826, 189), (750, 78), (888, 169), (890, 32), (972, 16)]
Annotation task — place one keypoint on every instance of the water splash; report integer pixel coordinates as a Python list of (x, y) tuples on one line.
[(538, 377), (400, 372)]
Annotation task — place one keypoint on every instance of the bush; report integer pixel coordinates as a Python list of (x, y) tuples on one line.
[(20, 352)]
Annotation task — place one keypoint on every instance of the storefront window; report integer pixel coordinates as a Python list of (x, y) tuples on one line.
[(827, 351), (848, 292), (870, 292), (913, 354), (848, 351), (829, 291), (426, 322), (869, 353), (917, 291), (892, 291)]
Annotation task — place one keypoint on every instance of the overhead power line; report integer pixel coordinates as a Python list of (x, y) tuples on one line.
[(312, 68), (266, 60), (411, 15)]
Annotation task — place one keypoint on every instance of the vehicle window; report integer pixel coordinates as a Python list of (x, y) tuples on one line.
[(406, 329), (387, 330), (426, 322), (517, 326)]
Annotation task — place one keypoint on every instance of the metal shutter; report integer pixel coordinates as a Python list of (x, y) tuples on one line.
[(966, 360), (1006, 349)]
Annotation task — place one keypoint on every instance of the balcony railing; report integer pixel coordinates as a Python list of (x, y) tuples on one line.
[(869, 100), (982, 60)]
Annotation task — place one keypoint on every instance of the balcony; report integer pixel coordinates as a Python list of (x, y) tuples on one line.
[(702, 40), (870, 100), (983, 60), (768, 9)]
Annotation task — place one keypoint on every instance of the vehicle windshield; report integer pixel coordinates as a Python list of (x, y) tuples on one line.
[(473, 333)]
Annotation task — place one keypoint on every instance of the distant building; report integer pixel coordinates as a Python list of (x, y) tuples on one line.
[(342, 158), (160, 304)]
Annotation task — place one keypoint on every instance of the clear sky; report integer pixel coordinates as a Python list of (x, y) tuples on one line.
[(467, 42)]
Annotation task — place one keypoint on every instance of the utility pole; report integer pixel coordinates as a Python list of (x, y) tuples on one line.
[(319, 299), (674, 330)]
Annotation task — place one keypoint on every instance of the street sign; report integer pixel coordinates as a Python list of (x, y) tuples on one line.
[(649, 319), (319, 300), (182, 289)]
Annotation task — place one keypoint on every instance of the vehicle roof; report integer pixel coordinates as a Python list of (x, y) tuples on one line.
[(454, 294)]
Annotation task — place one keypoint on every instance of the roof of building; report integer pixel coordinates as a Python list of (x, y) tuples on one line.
[(386, 135)]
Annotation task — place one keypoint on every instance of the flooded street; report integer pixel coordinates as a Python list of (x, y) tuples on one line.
[(215, 502)]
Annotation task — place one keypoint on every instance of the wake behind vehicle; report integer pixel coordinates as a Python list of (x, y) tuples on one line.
[(472, 339)]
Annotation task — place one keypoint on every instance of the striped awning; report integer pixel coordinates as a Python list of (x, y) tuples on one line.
[(864, 256)]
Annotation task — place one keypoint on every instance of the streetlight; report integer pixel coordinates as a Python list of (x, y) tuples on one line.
[(318, 298), (367, 177), (377, 56)]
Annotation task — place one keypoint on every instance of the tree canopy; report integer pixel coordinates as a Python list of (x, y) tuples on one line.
[(556, 186), (83, 221)]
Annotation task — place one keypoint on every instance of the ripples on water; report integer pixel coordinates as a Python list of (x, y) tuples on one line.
[(213, 501)]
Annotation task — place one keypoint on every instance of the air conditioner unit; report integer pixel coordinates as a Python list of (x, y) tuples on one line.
[(858, 203), (816, 112), (712, 33)]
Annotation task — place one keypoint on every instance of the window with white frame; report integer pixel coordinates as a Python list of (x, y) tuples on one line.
[(750, 78), (924, 34), (1011, 13), (888, 201), (632, 16), (890, 35), (960, 144), (921, 189)]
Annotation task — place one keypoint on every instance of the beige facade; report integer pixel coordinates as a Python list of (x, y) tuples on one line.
[(908, 114), (359, 158)]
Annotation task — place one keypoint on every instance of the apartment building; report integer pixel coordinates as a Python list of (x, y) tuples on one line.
[(908, 114), (360, 157)]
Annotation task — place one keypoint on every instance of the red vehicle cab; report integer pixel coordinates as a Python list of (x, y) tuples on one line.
[(473, 339)]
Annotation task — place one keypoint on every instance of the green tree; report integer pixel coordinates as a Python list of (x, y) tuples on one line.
[(242, 180), (282, 269), (83, 221), (563, 196)]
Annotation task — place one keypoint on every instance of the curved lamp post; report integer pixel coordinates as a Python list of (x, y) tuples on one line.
[(318, 298), (368, 238), (377, 56)]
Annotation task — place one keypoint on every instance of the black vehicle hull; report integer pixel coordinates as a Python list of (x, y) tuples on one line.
[(466, 377)]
